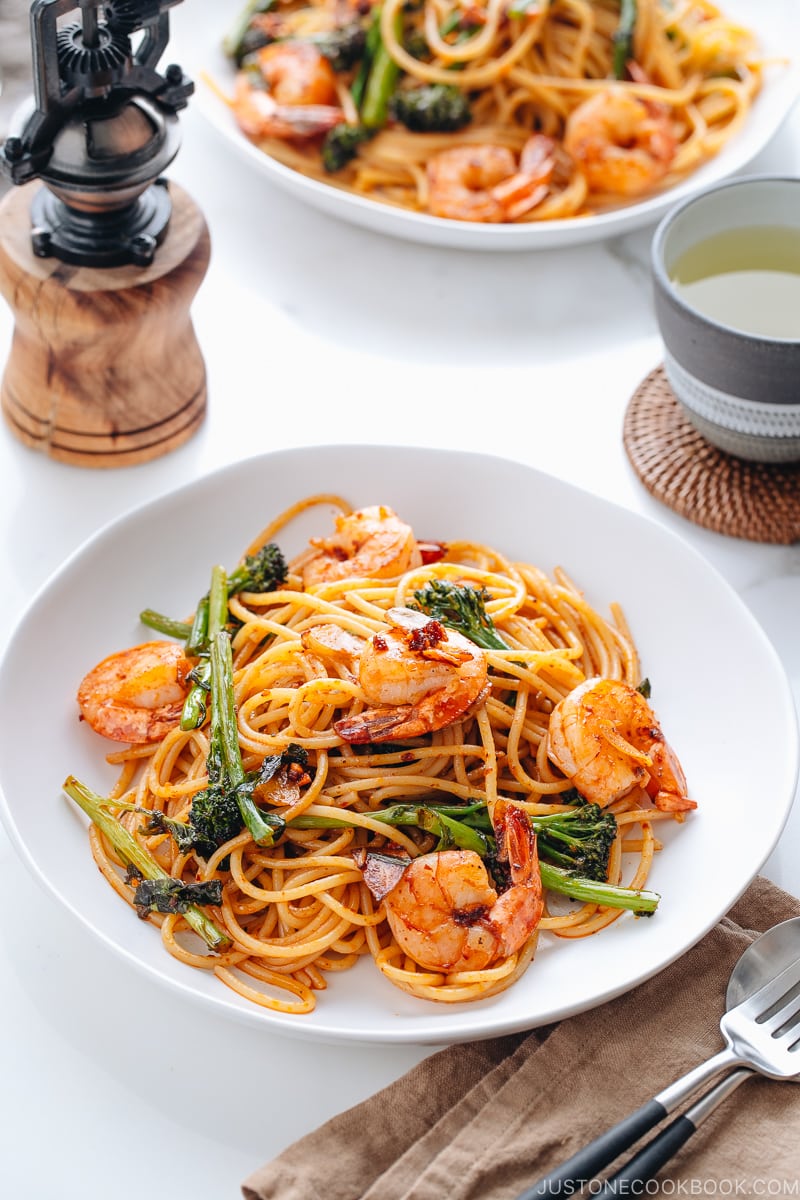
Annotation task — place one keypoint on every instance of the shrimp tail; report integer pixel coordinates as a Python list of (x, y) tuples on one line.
[(519, 910), (669, 802), (516, 841), (667, 783), (305, 120)]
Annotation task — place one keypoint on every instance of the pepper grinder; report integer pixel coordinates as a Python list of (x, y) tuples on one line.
[(100, 257)]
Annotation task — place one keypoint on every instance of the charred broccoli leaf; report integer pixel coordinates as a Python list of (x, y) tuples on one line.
[(173, 896), (434, 108)]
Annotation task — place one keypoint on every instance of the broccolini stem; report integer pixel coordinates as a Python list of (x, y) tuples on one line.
[(211, 616), (372, 43), (195, 706), (131, 852), (197, 639), (238, 579), (223, 709), (307, 820), (489, 640), (224, 727), (217, 603), (166, 625), (450, 831), (623, 37), (593, 892), (383, 76)]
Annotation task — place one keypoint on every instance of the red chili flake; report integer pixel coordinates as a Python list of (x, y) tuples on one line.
[(428, 636)]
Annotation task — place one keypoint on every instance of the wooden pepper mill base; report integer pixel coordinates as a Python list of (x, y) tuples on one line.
[(104, 369)]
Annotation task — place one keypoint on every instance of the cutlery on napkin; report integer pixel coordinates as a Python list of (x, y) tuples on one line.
[(482, 1121)]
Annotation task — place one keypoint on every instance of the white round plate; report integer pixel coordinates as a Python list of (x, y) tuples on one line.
[(718, 687), (777, 22)]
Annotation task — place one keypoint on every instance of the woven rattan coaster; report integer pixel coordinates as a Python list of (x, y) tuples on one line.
[(756, 501)]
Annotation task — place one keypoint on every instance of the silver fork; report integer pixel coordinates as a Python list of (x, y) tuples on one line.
[(762, 1034)]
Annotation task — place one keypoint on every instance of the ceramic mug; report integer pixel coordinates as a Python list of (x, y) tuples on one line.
[(740, 390)]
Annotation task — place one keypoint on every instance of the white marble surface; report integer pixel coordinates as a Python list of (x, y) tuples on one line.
[(314, 332)]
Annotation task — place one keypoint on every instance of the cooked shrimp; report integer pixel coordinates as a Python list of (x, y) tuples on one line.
[(370, 542), (622, 144), (446, 915), (296, 73), (136, 695), (300, 102), (606, 739), (485, 182), (419, 675)]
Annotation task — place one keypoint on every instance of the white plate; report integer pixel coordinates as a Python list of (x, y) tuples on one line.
[(718, 688), (777, 23)]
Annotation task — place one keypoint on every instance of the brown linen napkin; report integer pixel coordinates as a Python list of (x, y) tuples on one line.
[(483, 1121)]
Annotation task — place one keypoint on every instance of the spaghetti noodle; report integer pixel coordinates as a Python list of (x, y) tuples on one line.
[(346, 756), (500, 111)]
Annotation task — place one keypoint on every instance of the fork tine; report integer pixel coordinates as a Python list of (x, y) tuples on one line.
[(785, 1015), (758, 1005)]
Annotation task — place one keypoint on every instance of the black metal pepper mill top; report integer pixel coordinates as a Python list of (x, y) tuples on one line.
[(99, 131)]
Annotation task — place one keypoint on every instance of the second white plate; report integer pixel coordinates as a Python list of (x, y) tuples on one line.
[(777, 22)]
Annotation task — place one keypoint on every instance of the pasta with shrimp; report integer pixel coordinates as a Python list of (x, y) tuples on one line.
[(366, 780), (501, 111)]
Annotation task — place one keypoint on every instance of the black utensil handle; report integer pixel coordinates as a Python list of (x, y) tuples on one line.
[(651, 1158), (648, 1161), (598, 1154)]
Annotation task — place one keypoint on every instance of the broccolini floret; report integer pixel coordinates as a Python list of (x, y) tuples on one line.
[(341, 145), (435, 108), (342, 47), (460, 607), (579, 840), (264, 571)]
